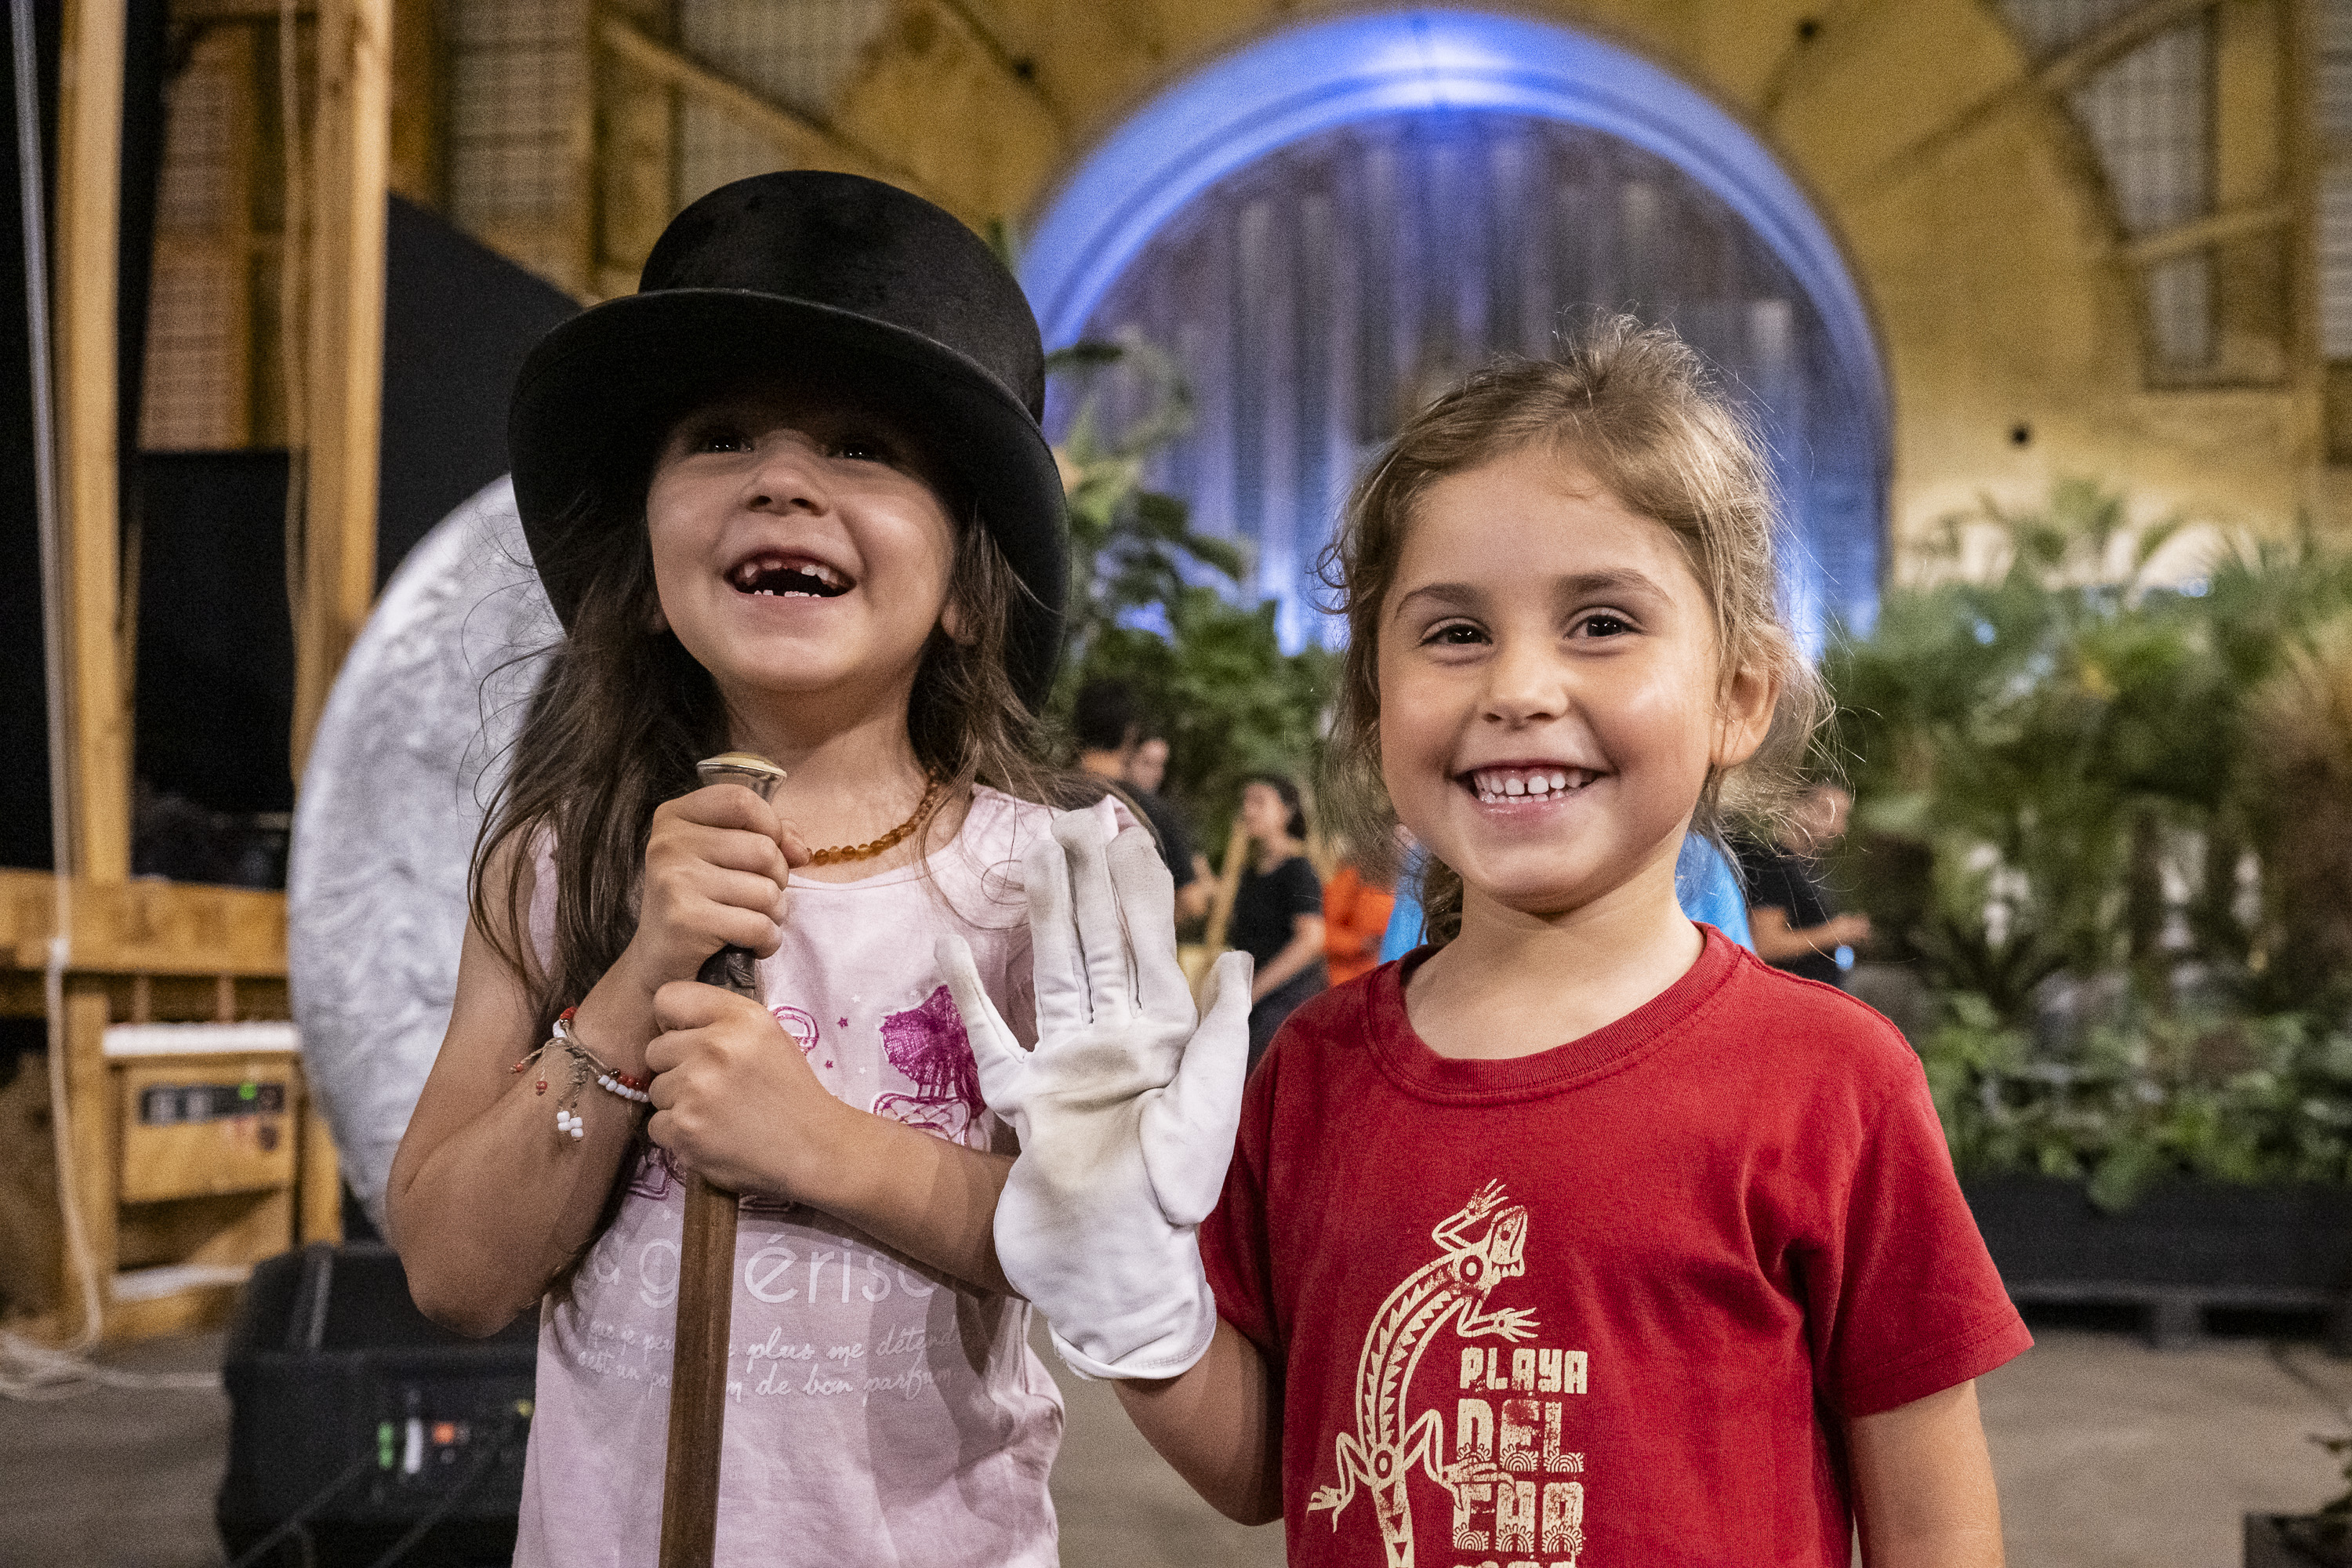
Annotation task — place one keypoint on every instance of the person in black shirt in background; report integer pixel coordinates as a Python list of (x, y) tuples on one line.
[(1787, 912), (1149, 766), (1144, 770), (1109, 726), (1277, 915)]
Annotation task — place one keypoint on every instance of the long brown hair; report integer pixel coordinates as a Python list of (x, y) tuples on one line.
[(1635, 408), (624, 712)]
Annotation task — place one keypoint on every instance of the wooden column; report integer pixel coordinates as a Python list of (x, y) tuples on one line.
[(86, 198), (350, 168), (319, 1181)]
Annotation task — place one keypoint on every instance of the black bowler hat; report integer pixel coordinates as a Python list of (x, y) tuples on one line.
[(796, 274)]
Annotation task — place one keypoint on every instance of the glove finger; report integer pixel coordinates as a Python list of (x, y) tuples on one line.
[(1002, 1063), (1147, 899), (1102, 936), (1055, 959), (1188, 1129)]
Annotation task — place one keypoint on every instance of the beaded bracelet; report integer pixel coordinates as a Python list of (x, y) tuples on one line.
[(586, 1069), (620, 1083)]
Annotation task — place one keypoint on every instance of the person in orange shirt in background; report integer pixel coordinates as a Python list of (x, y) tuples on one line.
[(1355, 917)]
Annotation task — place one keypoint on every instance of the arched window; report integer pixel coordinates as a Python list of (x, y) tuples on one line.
[(1330, 227), (1317, 296)]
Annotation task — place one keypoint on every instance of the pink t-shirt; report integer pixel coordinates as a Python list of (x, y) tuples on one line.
[(877, 1413)]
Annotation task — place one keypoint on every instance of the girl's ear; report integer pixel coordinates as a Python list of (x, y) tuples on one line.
[(655, 622), (1750, 698), (952, 621)]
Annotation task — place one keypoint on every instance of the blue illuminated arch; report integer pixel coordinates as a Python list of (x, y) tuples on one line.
[(1325, 74)]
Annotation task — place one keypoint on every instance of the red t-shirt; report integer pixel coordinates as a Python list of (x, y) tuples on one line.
[(1605, 1304)]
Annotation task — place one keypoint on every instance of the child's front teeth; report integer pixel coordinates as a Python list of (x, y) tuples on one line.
[(1519, 783)]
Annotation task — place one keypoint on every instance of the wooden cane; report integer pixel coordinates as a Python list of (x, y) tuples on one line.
[(706, 1279)]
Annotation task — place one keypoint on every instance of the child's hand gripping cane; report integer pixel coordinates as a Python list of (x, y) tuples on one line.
[(1125, 1110), (705, 1270)]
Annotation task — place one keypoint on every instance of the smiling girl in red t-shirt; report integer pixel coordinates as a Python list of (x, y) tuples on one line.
[(1697, 1284)]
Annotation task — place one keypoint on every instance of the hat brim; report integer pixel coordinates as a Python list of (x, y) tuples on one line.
[(598, 394)]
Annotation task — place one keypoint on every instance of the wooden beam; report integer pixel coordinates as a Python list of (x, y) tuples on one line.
[(636, 162), (2066, 69), (2215, 228), (417, 131), (87, 195), (147, 926), (979, 35), (2054, 78), (800, 138), (350, 169)]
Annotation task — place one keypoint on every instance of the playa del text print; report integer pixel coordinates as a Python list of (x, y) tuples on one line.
[(1500, 1469)]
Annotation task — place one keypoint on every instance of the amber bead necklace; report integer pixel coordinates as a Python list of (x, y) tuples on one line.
[(842, 854)]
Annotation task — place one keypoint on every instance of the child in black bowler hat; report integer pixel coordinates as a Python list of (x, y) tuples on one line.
[(791, 497)]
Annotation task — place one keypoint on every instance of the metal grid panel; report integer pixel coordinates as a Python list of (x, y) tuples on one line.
[(189, 402), (2048, 26), (715, 148), (2150, 115), (192, 392), (518, 70), (200, 110), (489, 25), (1317, 296), (2334, 70), (2336, 262), (798, 55), (2334, 27)]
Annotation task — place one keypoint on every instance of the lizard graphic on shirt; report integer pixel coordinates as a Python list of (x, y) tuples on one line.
[(1382, 1450)]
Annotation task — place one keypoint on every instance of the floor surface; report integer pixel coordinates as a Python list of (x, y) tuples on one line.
[(2111, 1454)]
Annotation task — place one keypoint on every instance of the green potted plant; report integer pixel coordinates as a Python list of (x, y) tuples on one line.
[(1162, 607), (2107, 819)]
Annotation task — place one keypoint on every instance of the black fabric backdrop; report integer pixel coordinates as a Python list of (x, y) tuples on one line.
[(216, 639)]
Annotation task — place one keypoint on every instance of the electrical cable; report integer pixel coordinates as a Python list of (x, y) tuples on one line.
[(29, 1370), (23, 1372), (300, 1516)]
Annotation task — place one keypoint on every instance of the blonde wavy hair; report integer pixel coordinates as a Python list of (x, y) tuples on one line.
[(1635, 408)]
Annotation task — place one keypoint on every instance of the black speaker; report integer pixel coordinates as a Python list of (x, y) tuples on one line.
[(361, 1433)]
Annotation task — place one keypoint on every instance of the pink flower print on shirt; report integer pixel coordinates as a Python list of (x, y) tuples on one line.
[(928, 1044)]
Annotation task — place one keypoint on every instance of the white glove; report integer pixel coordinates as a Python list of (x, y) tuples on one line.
[(1126, 1109)]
